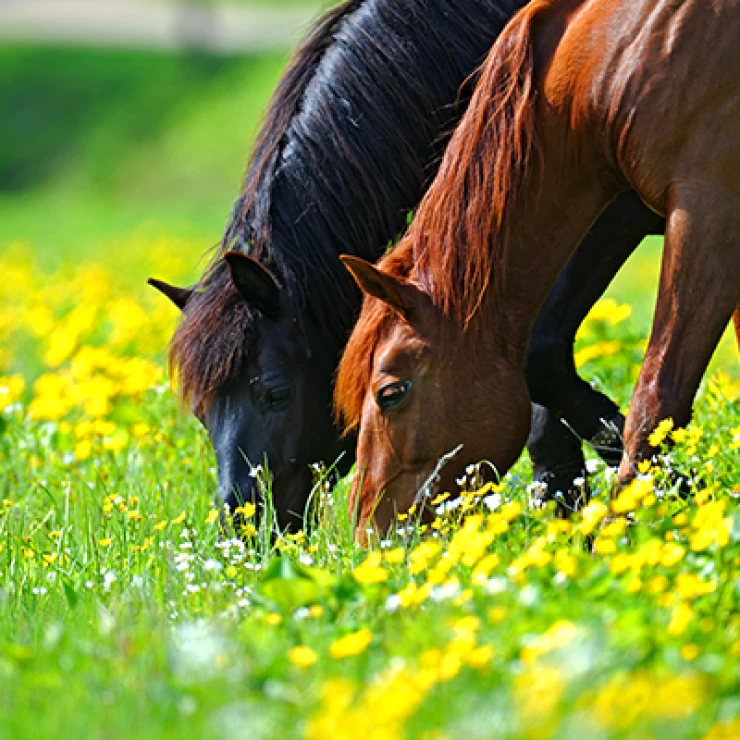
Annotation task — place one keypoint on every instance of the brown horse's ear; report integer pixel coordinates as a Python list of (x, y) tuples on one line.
[(179, 296), (254, 283), (389, 289)]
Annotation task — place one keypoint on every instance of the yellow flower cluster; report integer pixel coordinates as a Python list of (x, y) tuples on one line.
[(381, 710), (636, 696), (710, 526), (84, 338)]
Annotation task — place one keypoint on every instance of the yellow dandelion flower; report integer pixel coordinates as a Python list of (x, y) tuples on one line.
[(566, 563), (690, 586), (50, 558), (511, 511), (11, 390), (681, 617), (672, 554), (159, 526), (657, 585), (212, 516), (591, 516), (302, 656), (484, 567), (83, 449), (140, 429), (620, 563), (395, 556), (630, 498), (689, 652), (422, 555), (180, 518), (480, 657), (273, 619), (352, 644), (105, 541), (596, 350), (728, 730), (370, 571), (658, 435), (246, 510), (605, 546)]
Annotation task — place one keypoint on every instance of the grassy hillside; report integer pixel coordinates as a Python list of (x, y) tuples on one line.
[(99, 144)]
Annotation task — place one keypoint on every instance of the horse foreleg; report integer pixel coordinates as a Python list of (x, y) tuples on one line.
[(551, 374), (699, 290), (559, 469)]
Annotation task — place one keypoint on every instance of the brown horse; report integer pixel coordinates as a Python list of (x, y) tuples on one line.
[(578, 101)]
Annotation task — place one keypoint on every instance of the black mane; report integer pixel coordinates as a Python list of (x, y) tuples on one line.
[(353, 134)]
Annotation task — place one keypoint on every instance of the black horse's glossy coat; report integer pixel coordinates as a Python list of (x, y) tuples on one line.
[(352, 136)]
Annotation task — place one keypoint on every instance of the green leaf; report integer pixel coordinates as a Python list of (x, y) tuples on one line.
[(291, 585), (70, 593)]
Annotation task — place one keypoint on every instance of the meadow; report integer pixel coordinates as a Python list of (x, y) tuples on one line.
[(127, 610)]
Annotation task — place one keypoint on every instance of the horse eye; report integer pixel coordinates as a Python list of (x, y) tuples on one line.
[(276, 397), (393, 394)]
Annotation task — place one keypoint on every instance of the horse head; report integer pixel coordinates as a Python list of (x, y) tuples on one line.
[(419, 395), (259, 381)]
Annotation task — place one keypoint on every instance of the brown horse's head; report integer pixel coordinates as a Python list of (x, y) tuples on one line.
[(419, 394)]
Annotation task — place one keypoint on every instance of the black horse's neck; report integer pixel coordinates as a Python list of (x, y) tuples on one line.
[(354, 133)]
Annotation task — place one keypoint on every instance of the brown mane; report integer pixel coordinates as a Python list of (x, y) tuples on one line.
[(459, 236)]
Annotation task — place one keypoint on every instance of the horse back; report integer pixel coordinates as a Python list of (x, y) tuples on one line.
[(655, 82)]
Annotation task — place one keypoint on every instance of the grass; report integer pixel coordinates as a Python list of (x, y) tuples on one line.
[(124, 608)]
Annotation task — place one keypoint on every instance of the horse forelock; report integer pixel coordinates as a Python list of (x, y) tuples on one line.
[(212, 342), (356, 367)]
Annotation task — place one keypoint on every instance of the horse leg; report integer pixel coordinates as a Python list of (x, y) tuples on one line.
[(698, 291), (559, 468), (550, 370)]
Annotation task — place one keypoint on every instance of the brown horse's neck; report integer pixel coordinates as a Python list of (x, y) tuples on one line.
[(545, 232)]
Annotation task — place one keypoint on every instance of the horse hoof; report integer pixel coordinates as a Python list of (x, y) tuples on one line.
[(570, 492), (608, 442)]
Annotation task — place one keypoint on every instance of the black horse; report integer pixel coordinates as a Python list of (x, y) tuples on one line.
[(352, 136)]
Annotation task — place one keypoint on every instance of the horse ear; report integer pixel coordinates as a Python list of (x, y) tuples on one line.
[(254, 283), (179, 296), (391, 290)]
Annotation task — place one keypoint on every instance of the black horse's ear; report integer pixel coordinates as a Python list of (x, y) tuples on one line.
[(389, 289), (254, 283), (179, 296)]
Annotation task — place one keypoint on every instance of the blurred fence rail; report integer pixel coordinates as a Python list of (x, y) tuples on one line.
[(156, 25)]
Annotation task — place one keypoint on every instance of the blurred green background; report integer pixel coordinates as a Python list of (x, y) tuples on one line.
[(97, 143)]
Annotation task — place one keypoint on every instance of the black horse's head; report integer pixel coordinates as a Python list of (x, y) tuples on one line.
[(260, 382)]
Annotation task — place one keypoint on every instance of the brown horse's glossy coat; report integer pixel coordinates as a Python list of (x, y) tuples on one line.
[(578, 101)]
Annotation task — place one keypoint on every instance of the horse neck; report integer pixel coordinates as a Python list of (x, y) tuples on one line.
[(561, 204)]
